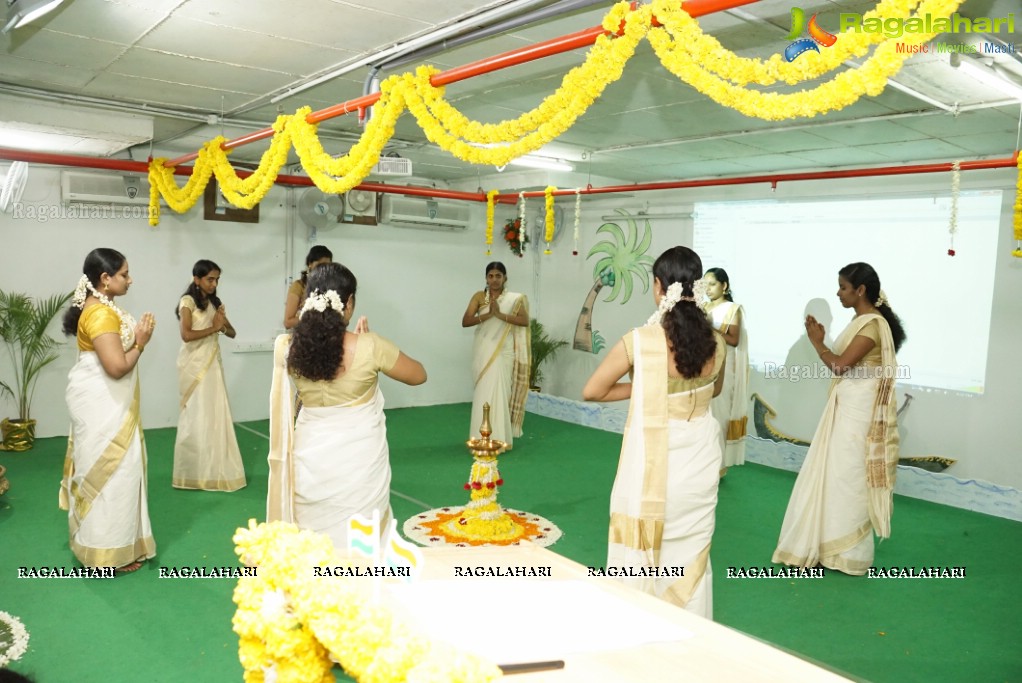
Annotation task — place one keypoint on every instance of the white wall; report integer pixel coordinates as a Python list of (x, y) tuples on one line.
[(414, 286), (974, 430)]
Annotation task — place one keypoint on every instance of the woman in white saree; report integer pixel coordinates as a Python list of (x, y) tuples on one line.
[(104, 483), (844, 491), (333, 461), (663, 503), (206, 454), (731, 407), (500, 356)]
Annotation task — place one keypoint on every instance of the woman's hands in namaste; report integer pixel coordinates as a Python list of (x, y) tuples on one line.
[(144, 329), (814, 330), (220, 318), (362, 325)]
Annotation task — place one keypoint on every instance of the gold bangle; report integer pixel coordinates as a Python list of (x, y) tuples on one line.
[(139, 347)]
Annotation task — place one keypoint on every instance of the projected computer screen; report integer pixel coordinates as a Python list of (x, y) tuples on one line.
[(783, 257)]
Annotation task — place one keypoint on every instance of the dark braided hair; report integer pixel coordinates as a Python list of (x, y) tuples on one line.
[(317, 342), (98, 261), (688, 330), (862, 274), (202, 268)]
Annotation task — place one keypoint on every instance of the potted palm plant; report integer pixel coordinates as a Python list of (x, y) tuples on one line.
[(542, 348), (23, 323)]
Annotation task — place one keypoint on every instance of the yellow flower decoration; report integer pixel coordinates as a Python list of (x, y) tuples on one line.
[(682, 47), (1017, 253), (549, 222), (297, 624), (490, 196)]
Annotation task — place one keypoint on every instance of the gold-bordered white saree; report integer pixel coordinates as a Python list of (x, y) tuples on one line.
[(844, 491), (663, 503), (500, 369), (104, 483), (334, 460), (206, 453), (731, 405)]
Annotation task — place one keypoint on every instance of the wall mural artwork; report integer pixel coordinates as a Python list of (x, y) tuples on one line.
[(622, 257)]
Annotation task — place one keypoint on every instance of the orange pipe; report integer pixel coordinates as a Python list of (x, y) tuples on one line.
[(572, 41)]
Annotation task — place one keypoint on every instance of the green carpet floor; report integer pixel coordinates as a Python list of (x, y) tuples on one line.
[(143, 628)]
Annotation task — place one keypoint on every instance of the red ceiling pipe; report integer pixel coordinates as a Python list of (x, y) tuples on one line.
[(142, 168), (572, 41), (979, 165)]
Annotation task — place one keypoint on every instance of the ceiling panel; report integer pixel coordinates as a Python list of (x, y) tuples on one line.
[(183, 61)]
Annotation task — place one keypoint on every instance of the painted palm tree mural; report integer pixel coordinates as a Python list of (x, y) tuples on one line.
[(623, 257)]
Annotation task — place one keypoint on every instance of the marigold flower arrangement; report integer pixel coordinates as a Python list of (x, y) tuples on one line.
[(516, 236), (677, 40), (1017, 253), (292, 626)]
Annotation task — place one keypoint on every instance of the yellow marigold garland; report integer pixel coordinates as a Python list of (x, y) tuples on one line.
[(490, 196), (292, 621), (447, 127), (694, 57), (1017, 253), (548, 223), (689, 38)]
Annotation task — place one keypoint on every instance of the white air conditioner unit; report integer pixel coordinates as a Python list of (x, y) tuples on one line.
[(425, 213), (104, 188)]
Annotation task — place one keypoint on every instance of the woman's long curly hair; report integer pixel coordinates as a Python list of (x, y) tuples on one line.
[(862, 274), (202, 268), (688, 330), (98, 261), (317, 342)]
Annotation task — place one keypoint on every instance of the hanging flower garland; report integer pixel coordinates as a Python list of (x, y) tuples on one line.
[(549, 221), (680, 44), (690, 39), (578, 217), (490, 196), (448, 128), (956, 181), (292, 626), (1017, 253)]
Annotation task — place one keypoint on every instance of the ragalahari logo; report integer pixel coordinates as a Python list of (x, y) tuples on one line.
[(817, 36)]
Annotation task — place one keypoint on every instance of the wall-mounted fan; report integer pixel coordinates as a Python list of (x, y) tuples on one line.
[(539, 236), (12, 185), (361, 206), (318, 209)]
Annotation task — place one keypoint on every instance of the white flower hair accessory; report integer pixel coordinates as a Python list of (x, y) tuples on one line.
[(673, 295), (320, 301), (882, 299), (82, 291)]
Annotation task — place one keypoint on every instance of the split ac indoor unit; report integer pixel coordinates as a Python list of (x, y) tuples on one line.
[(103, 188), (425, 213)]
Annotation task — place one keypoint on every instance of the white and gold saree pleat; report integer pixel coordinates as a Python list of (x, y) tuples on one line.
[(836, 503), (500, 368), (330, 463), (206, 454), (665, 493), (104, 485), (731, 406)]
